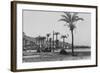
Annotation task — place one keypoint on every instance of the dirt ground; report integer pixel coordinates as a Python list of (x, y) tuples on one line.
[(55, 56)]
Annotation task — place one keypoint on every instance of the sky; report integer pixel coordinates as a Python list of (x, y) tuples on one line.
[(37, 23)]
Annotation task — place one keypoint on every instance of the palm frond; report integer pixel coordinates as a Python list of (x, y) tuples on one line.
[(77, 19), (75, 14), (48, 34), (65, 20), (65, 17), (70, 18), (56, 33), (69, 15)]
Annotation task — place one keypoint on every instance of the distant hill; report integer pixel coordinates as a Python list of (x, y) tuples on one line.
[(29, 38)]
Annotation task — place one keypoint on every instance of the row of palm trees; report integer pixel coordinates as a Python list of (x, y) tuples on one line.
[(46, 42), (50, 42), (56, 41)]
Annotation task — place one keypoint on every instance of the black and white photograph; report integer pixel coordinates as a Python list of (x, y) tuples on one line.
[(56, 36), (53, 36)]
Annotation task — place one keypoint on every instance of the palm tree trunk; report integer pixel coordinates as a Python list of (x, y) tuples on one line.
[(72, 42)]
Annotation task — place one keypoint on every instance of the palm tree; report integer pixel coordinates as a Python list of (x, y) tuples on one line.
[(63, 37), (63, 51), (70, 18), (47, 39), (48, 36), (50, 41), (56, 33), (53, 42)]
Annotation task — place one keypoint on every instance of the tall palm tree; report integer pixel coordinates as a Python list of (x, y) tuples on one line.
[(48, 36), (50, 41), (53, 41), (56, 33), (70, 18), (47, 39)]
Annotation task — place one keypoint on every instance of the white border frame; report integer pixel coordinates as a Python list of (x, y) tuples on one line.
[(35, 65)]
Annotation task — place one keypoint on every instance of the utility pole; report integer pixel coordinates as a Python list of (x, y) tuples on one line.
[(53, 41)]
